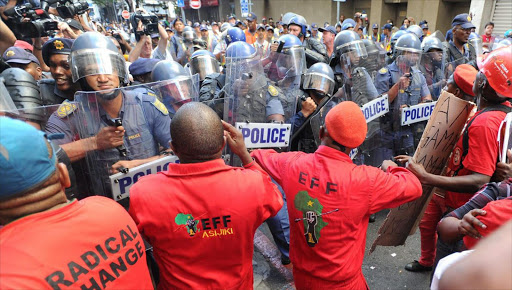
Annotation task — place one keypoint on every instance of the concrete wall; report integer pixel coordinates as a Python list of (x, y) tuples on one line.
[(481, 10)]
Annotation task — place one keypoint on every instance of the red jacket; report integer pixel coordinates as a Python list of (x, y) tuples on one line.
[(91, 243), (201, 219), (329, 202)]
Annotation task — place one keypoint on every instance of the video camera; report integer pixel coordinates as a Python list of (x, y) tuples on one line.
[(68, 8), (39, 24), (149, 22)]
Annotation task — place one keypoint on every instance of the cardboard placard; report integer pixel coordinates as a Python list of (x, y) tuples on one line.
[(442, 132)]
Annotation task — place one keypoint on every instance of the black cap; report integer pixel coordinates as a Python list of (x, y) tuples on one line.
[(464, 20), (74, 24), (56, 46)]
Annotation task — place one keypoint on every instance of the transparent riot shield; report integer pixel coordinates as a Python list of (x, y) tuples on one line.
[(255, 106), (359, 87), (38, 118), (290, 65), (375, 60), (413, 104), (125, 131)]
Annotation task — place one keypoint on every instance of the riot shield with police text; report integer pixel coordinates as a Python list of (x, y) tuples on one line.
[(254, 105), (125, 130), (359, 87)]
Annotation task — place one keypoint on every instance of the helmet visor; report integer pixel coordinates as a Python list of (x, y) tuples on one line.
[(318, 82), (357, 47), (292, 62), (204, 65), (87, 62), (477, 45)]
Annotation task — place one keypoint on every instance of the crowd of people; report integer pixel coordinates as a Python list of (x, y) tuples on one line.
[(248, 121)]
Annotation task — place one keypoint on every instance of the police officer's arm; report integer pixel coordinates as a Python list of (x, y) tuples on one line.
[(164, 38), (425, 92), (402, 83), (7, 37), (132, 163)]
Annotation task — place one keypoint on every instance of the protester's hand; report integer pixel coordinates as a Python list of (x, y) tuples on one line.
[(417, 169), (469, 223), (126, 164), (308, 107), (109, 137), (236, 142), (386, 164), (503, 170), (403, 158)]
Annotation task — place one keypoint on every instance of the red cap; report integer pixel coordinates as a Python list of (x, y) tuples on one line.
[(346, 124), (497, 67), (23, 45), (464, 77)]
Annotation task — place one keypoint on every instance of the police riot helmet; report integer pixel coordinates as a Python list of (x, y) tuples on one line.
[(225, 26), (287, 17), (319, 77), (349, 41), (92, 54), (346, 26), (188, 34), (290, 41), (430, 43), (408, 42), (476, 42), (240, 50), (167, 70), (24, 92), (203, 62), (301, 22), (234, 34), (416, 30)]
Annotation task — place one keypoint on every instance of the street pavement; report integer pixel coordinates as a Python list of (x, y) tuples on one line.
[(383, 269)]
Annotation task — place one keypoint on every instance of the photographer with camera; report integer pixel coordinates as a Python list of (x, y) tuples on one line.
[(147, 27)]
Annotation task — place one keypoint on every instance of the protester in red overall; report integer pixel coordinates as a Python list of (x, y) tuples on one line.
[(466, 173), (330, 200), (49, 242), (200, 216)]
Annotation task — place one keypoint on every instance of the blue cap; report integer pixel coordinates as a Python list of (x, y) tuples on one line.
[(268, 27), (56, 46), (464, 20), (155, 35), (142, 66), (231, 17), (375, 25), (424, 26), (196, 24), (314, 26), (251, 17), (329, 28), (23, 166), (19, 55), (260, 26), (203, 27), (175, 20), (403, 27), (387, 26)]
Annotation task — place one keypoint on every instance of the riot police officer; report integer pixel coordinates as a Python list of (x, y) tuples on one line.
[(391, 50), (315, 51), (431, 65), (405, 85), (179, 86), (318, 85), (203, 62), (112, 127), (61, 87)]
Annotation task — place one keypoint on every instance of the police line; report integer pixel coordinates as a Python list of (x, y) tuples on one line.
[(121, 182), (417, 113), (265, 135)]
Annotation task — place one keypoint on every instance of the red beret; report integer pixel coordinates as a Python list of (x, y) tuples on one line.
[(464, 77), (346, 124)]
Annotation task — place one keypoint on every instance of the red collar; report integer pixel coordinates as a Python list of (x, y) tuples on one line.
[(332, 153), (196, 168)]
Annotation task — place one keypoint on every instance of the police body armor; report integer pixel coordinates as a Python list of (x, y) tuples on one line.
[(48, 96)]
